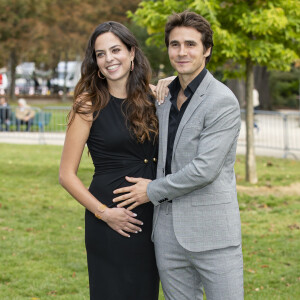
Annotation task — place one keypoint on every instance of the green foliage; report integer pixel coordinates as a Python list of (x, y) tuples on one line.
[(156, 55), (154, 14), (42, 253), (285, 88), (267, 32)]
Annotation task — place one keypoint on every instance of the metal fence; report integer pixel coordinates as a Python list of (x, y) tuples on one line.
[(275, 133), (48, 127)]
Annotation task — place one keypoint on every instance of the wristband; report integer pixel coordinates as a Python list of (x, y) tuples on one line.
[(101, 208)]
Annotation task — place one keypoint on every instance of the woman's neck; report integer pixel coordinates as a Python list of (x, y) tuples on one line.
[(117, 89)]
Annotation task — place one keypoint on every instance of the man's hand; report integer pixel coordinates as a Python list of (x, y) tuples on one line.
[(136, 194)]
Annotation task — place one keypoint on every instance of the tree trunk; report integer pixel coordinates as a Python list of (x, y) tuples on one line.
[(12, 66), (65, 90), (238, 88), (250, 155)]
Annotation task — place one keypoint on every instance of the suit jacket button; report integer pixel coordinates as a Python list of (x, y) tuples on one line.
[(154, 159), (145, 160)]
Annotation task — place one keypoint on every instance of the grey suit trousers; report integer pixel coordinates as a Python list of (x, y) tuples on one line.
[(184, 273)]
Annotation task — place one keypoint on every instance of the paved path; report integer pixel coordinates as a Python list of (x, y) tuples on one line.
[(32, 138)]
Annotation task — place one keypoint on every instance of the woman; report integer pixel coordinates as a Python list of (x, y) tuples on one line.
[(114, 114)]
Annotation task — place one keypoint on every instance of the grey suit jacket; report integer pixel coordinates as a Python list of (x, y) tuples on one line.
[(202, 184)]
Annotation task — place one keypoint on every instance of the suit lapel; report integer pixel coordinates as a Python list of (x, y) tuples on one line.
[(194, 103), (164, 128)]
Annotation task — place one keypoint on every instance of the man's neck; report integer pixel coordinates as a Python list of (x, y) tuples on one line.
[(186, 79)]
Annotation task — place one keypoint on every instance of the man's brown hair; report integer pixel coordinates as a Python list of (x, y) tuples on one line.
[(193, 20)]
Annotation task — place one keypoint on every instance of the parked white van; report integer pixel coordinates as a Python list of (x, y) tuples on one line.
[(72, 71)]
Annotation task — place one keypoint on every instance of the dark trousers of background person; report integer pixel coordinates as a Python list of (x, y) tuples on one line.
[(4, 125), (21, 122), (4, 118)]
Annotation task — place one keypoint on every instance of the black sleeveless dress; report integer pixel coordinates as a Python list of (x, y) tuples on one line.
[(120, 268)]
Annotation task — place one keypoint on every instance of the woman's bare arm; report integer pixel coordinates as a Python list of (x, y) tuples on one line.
[(122, 221)]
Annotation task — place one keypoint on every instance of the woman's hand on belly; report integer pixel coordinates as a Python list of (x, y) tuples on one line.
[(121, 220)]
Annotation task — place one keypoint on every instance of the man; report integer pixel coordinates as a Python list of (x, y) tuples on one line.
[(4, 114), (196, 225), (24, 115)]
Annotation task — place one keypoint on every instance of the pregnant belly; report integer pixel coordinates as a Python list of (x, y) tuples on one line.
[(103, 185)]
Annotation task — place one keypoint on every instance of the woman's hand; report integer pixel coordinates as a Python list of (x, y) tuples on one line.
[(161, 90), (121, 220)]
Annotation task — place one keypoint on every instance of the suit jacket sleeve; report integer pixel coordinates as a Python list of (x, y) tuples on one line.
[(218, 136)]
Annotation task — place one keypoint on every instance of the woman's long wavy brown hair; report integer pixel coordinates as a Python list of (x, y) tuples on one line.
[(91, 93)]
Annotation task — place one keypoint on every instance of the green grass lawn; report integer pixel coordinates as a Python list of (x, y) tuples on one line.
[(42, 253)]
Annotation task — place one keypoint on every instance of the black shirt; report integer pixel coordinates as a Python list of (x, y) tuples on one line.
[(176, 115)]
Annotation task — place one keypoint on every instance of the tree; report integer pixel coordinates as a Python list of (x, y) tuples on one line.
[(285, 88), (67, 25), (246, 33), (47, 31), (157, 56), (70, 23), (18, 31)]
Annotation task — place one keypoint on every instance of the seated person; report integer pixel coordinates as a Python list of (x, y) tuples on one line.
[(4, 114), (24, 115)]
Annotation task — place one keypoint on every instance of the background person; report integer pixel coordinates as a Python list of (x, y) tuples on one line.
[(256, 106), (5, 113), (36, 83), (24, 115), (114, 114)]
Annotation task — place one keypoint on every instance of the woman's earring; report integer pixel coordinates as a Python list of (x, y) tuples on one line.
[(131, 66), (99, 75)]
